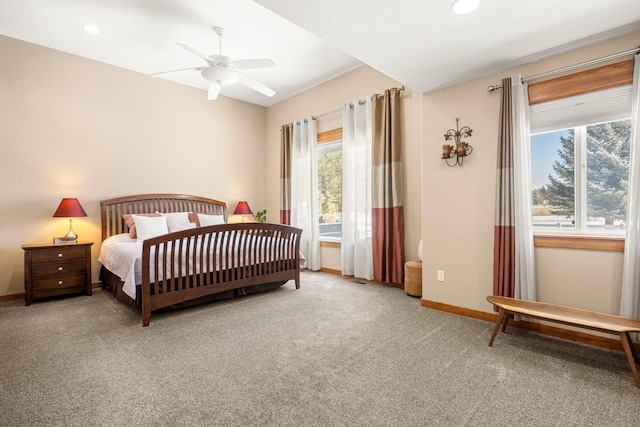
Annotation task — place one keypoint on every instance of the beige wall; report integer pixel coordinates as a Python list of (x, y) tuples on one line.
[(327, 97), (72, 127), (458, 203)]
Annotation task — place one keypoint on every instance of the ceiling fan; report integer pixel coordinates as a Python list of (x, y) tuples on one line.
[(222, 71)]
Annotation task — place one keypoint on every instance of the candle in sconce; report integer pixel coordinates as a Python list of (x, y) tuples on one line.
[(461, 149), (446, 151)]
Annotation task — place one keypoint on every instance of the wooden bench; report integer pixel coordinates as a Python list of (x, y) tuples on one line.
[(569, 316)]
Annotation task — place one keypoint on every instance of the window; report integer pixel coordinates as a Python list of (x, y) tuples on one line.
[(591, 197), (330, 189), (580, 162)]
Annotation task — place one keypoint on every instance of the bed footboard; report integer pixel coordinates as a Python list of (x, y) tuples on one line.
[(190, 264)]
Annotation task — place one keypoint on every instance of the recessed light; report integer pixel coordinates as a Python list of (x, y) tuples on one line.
[(464, 6), (90, 28)]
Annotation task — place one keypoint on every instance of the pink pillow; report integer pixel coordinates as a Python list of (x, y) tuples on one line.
[(128, 219), (193, 217)]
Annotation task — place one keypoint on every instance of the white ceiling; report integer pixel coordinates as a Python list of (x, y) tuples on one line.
[(419, 43)]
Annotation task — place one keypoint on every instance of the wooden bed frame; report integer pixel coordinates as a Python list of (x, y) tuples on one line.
[(254, 266)]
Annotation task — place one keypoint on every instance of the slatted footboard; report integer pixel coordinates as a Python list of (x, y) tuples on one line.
[(194, 263)]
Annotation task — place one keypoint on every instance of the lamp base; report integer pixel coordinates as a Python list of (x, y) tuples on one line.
[(70, 237), (62, 241)]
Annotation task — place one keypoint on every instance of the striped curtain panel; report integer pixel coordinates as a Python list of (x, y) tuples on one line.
[(504, 229), (513, 256), (387, 213), (286, 142)]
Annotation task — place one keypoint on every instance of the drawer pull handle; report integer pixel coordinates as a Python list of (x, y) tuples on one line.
[(59, 282), (59, 268), (59, 255)]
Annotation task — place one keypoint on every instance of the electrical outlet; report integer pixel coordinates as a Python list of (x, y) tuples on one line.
[(440, 275)]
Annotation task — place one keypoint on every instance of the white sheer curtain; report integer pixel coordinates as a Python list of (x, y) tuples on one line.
[(304, 190), (525, 278), (630, 296), (356, 245)]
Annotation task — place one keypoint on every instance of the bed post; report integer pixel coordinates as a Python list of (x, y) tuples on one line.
[(146, 285), (146, 312), (296, 251)]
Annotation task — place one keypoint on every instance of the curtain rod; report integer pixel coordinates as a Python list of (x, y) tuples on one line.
[(571, 67), (362, 101)]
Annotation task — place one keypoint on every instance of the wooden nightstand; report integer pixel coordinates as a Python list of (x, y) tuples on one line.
[(56, 270)]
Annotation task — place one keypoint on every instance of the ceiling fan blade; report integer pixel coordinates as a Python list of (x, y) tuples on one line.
[(246, 64), (195, 52), (214, 90), (256, 85), (175, 71)]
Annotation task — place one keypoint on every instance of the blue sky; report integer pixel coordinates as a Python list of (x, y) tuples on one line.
[(544, 150)]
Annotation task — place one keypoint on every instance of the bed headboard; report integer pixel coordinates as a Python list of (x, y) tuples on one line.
[(111, 210)]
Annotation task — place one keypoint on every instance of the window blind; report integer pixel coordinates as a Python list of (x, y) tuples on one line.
[(590, 108)]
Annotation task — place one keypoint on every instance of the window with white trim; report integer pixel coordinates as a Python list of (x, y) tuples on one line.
[(580, 162)]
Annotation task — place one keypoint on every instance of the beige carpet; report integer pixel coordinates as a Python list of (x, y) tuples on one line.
[(333, 353)]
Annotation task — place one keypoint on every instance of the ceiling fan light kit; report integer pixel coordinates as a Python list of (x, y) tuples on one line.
[(222, 71), (224, 76)]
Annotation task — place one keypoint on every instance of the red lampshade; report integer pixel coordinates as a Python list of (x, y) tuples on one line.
[(242, 209), (70, 208)]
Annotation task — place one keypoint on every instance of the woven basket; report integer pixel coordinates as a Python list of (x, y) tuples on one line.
[(413, 278)]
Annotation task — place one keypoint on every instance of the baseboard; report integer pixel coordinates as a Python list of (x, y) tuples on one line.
[(331, 270), (554, 331), (339, 273), (13, 297)]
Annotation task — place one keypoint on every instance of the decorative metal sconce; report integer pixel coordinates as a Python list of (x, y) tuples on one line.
[(459, 151)]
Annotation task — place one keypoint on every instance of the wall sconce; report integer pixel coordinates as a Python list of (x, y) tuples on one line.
[(459, 151)]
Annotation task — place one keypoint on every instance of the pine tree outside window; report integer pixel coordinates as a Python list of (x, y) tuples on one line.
[(330, 190)]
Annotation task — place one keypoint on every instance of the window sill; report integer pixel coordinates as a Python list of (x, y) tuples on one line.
[(330, 243), (576, 241)]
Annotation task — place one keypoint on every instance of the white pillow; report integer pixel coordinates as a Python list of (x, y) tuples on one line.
[(420, 250), (175, 217), (150, 226), (205, 219), (181, 227)]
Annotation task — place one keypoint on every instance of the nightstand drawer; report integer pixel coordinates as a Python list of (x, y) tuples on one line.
[(63, 253), (57, 269), (71, 281)]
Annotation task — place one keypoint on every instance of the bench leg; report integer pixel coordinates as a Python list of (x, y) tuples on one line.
[(505, 321), (502, 317), (632, 357)]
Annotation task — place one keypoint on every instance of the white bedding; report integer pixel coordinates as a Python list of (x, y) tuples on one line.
[(123, 256)]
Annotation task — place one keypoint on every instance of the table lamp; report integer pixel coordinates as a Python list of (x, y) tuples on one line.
[(243, 209), (69, 208)]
